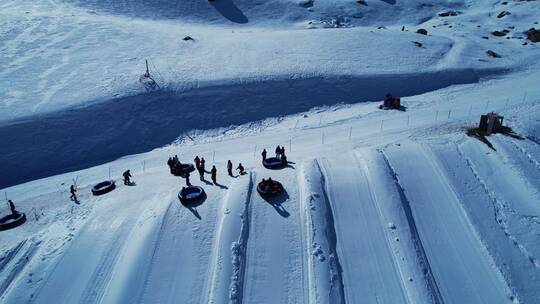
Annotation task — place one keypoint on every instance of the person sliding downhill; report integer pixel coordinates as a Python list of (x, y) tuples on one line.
[(229, 168), (214, 174), (240, 169), (127, 176)]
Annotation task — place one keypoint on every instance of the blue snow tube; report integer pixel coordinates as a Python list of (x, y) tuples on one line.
[(103, 187), (269, 189), (12, 221), (191, 194), (273, 163)]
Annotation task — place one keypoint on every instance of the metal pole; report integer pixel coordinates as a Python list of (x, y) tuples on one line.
[(382, 123), (214, 156), (109, 173), (350, 132), (144, 166), (408, 119), (449, 112), (470, 110), (290, 144), (487, 104), (436, 115)]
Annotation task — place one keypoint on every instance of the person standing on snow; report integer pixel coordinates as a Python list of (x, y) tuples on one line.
[(12, 207), (201, 172), (127, 176), (187, 178), (278, 151), (197, 162), (229, 168), (202, 163), (214, 174), (264, 154), (72, 190)]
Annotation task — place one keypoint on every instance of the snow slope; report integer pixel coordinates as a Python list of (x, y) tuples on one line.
[(380, 206)]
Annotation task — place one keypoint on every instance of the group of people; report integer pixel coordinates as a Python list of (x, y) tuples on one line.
[(240, 168), (268, 184), (200, 166), (280, 154), (174, 164)]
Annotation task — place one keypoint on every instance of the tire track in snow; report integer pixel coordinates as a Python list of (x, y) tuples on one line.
[(325, 284), (420, 251), (12, 264)]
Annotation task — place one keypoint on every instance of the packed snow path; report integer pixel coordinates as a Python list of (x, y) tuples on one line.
[(275, 250), (370, 272), (462, 268)]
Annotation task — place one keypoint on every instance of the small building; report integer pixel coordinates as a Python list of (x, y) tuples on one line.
[(490, 123)]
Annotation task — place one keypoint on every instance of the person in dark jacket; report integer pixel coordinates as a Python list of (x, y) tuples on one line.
[(284, 159), (264, 154), (202, 163), (197, 162), (229, 167), (187, 178), (240, 169), (12, 207), (201, 172), (282, 151), (127, 176), (73, 192), (278, 151), (214, 174)]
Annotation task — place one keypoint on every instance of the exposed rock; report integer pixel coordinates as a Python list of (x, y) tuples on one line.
[(499, 33), (503, 13), (422, 31), (418, 44), (188, 38), (491, 53), (448, 14), (533, 35)]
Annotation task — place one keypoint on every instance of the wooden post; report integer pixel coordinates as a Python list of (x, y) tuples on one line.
[(350, 132), (214, 156), (449, 112), (382, 124), (436, 115)]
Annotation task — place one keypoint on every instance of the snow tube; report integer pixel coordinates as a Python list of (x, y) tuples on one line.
[(269, 189), (12, 221), (183, 168), (103, 187), (273, 163), (191, 194)]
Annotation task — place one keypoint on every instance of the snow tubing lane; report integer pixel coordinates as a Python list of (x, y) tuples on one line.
[(273, 163), (103, 187), (191, 194), (274, 190), (12, 221)]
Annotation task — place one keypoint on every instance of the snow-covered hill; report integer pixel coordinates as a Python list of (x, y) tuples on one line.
[(380, 206)]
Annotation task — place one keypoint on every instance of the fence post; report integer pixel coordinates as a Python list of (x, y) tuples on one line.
[(449, 113), (408, 119), (214, 156), (290, 144), (436, 115), (350, 132), (382, 123), (144, 166), (487, 104), (470, 111), (322, 137)]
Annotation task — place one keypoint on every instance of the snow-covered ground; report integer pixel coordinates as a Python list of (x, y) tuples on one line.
[(379, 206)]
